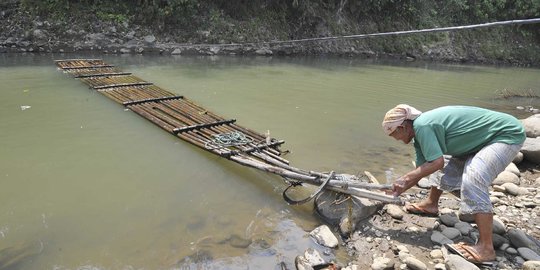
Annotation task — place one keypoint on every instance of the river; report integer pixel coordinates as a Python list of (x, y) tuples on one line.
[(86, 184)]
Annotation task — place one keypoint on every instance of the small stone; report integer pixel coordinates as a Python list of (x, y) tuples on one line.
[(514, 189), (455, 262), (324, 236), (440, 239), (394, 211), (440, 266), (531, 265), (511, 251), (528, 254), (498, 226), (415, 264), (499, 188), (451, 233), (436, 254), (464, 227), (381, 263), (449, 219)]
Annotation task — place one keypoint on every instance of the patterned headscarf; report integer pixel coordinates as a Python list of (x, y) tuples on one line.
[(395, 117)]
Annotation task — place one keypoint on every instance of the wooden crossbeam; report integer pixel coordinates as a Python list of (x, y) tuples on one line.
[(121, 85), (135, 102), (96, 66), (103, 74), (74, 60), (201, 126)]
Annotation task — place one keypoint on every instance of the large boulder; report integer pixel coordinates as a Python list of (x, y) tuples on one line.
[(519, 239), (531, 150), (532, 125), (334, 213)]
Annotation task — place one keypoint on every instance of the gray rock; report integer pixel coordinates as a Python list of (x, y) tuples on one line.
[(498, 226), (498, 240), (439, 266), (214, 50), (532, 126), (311, 257), (176, 51), (449, 219), (513, 169), (519, 239), (436, 254), (324, 236), (150, 39), (125, 50), (424, 183), (506, 177), (466, 217), (39, 35), (346, 227), (414, 264), (332, 213), (439, 238), (531, 265), (528, 254), (455, 262), (515, 190), (451, 233), (381, 263), (464, 227), (511, 251), (394, 211), (264, 51), (238, 241), (531, 150), (518, 159)]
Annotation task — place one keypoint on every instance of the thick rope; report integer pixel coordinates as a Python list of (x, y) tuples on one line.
[(222, 140), (360, 36)]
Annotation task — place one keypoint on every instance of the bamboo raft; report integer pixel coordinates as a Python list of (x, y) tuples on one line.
[(192, 123)]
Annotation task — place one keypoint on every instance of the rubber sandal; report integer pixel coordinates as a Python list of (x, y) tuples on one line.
[(469, 251), (415, 209)]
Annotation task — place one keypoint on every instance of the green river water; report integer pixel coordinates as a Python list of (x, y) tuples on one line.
[(85, 184)]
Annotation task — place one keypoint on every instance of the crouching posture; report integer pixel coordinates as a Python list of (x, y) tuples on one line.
[(480, 143)]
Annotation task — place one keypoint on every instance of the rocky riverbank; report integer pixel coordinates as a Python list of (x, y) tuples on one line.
[(394, 239)]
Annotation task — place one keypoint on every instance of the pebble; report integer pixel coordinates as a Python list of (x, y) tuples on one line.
[(528, 254), (455, 262), (395, 211), (439, 238), (464, 227), (451, 233), (531, 265), (436, 254), (449, 219), (511, 251), (324, 236), (382, 263), (498, 226), (415, 264)]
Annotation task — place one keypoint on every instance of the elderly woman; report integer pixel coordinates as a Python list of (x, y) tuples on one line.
[(480, 143)]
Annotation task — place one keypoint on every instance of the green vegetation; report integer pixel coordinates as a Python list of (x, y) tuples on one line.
[(238, 21)]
